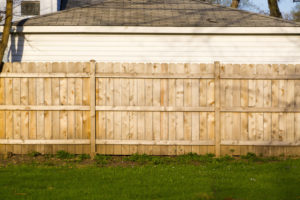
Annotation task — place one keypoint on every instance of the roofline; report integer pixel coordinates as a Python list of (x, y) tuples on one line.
[(154, 30)]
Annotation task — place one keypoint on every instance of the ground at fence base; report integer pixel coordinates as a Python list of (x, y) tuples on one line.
[(154, 150), (62, 158)]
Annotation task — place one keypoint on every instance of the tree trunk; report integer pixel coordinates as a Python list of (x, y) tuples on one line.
[(7, 27), (235, 3), (274, 9)]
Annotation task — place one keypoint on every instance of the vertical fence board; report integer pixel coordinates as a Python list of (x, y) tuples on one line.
[(148, 115), (143, 114)]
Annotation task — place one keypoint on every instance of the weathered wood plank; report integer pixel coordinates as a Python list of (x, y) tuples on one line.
[(45, 141), (153, 142), (217, 131), (117, 115)]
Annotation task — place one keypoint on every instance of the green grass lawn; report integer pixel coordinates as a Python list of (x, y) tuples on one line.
[(145, 177)]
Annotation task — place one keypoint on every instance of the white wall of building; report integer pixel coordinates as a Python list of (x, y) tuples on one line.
[(46, 7), (154, 48)]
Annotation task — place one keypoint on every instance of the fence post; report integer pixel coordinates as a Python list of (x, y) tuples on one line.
[(93, 106), (217, 110)]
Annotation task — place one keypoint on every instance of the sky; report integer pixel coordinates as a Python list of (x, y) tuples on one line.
[(285, 6)]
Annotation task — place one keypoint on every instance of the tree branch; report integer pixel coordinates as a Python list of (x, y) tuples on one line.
[(235, 3), (274, 9), (7, 27)]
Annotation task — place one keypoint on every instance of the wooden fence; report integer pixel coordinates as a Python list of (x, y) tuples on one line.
[(159, 109)]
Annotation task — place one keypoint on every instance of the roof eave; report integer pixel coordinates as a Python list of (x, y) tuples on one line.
[(154, 30)]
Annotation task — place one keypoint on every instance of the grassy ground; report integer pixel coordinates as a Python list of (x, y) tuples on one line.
[(66, 176)]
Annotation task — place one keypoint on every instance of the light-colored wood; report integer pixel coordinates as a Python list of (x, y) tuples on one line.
[(179, 95), (133, 128), (195, 115), (125, 132), (78, 114), (164, 116), (44, 75), (261, 77), (100, 100), (153, 108), (217, 110), (259, 143), (297, 127), (55, 114), (63, 100), (187, 131), (172, 150), (86, 126), (203, 131), (109, 149), (24, 115), (211, 131), (125, 101), (45, 141), (148, 115), (228, 116), (153, 142), (117, 115), (44, 108), (151, 76), (2, 131), (101, 130), (156, 92), (17, 114), (92, 107), (275, 91), (236, 117), (9, 129), (86, 133), (71, 114), (260, 109), (2, 114)]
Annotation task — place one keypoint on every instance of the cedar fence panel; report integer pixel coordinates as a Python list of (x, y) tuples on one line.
[(152, 108)]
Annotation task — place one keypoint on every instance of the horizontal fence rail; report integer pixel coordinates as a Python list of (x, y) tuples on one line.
[(152, 108)]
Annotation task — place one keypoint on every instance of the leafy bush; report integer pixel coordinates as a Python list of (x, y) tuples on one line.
[(249, 156), (141, 159), (225, 158), (34, 154), (182, 159), (253, 157), (102, 159), (272, 158), (193, 157), (64, 155), (84, 157)]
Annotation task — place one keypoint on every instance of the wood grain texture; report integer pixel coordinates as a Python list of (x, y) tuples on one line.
[(152, 108)]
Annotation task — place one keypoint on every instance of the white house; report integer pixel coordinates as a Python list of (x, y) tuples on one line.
[(23, 9), (154, 31), (28, 8)]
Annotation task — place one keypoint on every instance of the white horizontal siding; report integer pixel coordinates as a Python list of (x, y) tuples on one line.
[(156, 48)]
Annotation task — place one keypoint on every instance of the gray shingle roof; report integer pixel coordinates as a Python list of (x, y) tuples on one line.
[(157, 13)]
